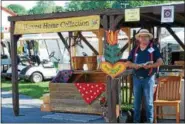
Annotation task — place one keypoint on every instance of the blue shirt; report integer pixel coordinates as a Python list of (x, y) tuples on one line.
[(143, 56)]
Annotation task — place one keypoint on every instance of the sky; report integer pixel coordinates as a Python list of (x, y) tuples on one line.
[(29, 4)]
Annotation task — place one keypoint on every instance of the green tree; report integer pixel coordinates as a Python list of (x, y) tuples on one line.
[(18, 9), (132, 4), (42, 7), (87, 5), (73, 6), (59, 9)]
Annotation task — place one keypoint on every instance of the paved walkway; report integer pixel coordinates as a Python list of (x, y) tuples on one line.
[(30, 112)]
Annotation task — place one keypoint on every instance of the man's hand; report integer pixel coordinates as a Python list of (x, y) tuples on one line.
[(155, 65), (133, 65), (147, 66), (136, 66)]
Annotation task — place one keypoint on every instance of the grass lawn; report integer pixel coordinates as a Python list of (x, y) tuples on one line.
[(34, 90), (125, 105)]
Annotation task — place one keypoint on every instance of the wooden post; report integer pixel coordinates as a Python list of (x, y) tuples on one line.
[(134, 39), (158, 36), (105, 26), (127, 31), (111, 105), (15, 88), (109, 98), (75, 34), (99, 35), (88, 44), (112, 100), (64, 41), (70, 36), (114, 88), (100, 45), (73, 52)]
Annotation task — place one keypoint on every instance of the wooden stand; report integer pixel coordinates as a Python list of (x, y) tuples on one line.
[(65, 97)]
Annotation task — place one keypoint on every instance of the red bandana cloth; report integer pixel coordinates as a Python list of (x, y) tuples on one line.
[(90, 91)]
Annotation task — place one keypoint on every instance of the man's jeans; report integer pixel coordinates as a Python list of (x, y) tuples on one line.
[(143, 87)]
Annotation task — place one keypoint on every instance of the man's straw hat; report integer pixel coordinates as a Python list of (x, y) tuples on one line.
[(143, 32)]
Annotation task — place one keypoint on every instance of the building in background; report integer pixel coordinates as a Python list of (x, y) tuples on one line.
[(5, 27)]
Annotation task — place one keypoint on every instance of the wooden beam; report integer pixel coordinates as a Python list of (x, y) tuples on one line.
[(88, 44), (105, 27), (176, 37), (179, 18), (157, 19), (105, 22), (101, 21), (15, 88), (75, 34), (154, 23), (111, 22), (125, 47), (63, 40), (178, 8), (151, 17), (70, 36), (99, 34), (117, 21), (158, 36), (128, 32)]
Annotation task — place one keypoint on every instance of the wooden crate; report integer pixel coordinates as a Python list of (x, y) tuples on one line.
[(65, 97)]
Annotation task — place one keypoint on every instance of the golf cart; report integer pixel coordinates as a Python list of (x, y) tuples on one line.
[(39, 70), (5, 56), (6, 60)]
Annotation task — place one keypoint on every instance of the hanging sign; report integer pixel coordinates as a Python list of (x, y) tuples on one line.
[(167, 14), (113, 70), (132, 15), (58, 25)]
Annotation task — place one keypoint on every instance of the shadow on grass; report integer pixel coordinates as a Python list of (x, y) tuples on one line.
[(34, 91)]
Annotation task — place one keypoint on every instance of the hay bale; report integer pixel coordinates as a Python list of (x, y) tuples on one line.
[(45, 108), (46, 98)]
